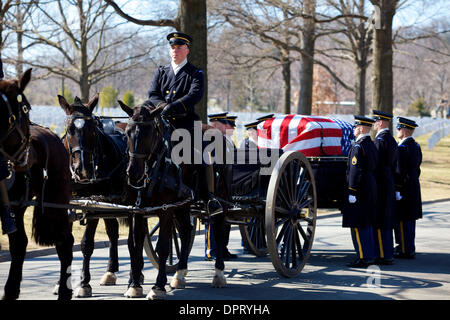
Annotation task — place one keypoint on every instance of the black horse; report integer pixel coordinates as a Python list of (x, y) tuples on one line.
[(38, 173), (157, 180), (98, 160)]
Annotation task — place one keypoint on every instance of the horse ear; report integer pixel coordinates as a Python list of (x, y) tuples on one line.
[(64, 104), (93, 103), (127, 109), (25, 79)]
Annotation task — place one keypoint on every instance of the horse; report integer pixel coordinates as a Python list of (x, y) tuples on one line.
[(38, 173), (157, 180), (97, 162)]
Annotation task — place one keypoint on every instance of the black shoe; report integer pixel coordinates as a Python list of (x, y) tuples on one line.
[(214, 207), (384, 262), (359, 263), (8, 222), (210, 258), (228, 255), (401, 255)]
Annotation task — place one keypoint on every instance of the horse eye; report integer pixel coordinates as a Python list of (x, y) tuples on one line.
[(79, 123)]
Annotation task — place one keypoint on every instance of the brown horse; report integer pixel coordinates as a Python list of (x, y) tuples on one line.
[(157, 180), (97, 162), (41, 170)]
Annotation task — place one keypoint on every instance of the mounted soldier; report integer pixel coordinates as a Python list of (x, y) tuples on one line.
[(178, 87)]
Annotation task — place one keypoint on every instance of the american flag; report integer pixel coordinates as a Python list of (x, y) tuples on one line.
[(312, 135)]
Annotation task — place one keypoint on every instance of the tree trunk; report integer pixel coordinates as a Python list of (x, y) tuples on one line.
[(307, 61), (360, 90), (286, 85), (382, 81), (192, 20)]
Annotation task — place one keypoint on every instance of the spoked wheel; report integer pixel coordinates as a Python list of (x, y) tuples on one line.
[(254, 236), (174, 249), (291, 213)]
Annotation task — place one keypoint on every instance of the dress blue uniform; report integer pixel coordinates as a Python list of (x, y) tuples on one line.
[(360, 215), (210, 244), (409, 208), (385, 215)]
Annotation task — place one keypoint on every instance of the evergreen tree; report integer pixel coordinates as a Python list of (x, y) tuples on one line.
[(108, 97)]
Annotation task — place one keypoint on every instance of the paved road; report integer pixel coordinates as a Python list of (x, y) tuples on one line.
[(250, 278)]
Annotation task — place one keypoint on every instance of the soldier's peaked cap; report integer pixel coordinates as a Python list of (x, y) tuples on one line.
[(363, 121), (406, 123), (380, 115), (232, 120), (179, 38), (220, 117), (266, 117), (251, 125)]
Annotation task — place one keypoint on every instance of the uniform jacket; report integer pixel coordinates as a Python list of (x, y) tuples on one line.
[(362, 162), (407, 180), (248, 144), (384, 174), (185, 90)]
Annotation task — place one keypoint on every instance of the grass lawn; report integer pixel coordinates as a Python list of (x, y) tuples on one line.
[(435, 184)]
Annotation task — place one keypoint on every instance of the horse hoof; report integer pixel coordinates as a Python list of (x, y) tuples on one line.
[(83, 292), (179, 280), (134, 292), (108, 279), (156, 293), (219, 280)]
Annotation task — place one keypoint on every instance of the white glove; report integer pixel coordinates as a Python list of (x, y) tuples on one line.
[(398, 196), (351, 199)]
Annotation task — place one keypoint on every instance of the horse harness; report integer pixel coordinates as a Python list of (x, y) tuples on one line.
[(20, 156), (95, 153), (158, 170)]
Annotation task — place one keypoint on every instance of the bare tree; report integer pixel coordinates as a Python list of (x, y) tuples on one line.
[(353, 44), (191, 19), (83, 47)]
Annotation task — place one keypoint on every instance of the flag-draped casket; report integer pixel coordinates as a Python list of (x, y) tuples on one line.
[(311, 135)]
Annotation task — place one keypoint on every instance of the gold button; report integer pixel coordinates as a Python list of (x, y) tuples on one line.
[(167, 91), (174, 91)]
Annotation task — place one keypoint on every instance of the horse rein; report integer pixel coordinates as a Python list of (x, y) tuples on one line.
[(20, 157), (80, 149), (147, 157)]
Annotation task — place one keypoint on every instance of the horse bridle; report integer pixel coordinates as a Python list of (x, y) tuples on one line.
[(147, 157), (81, 149), (20, 156)]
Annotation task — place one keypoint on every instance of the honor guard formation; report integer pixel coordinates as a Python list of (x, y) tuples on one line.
[(384, 199)]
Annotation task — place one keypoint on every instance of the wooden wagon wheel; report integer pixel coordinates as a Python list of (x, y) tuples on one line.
[(174, 249), (291, 213), (254, 236)]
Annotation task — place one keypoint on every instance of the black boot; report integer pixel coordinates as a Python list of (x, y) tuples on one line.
[(8, 222)]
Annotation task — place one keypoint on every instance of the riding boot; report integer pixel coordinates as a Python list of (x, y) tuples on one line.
[(213, 205), (7, 217)]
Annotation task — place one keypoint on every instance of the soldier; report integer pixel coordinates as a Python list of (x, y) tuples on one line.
[(409, 201), (358, 211), (225, 124), (251, 142), (178, 87), (8, 223), (385, 213)]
